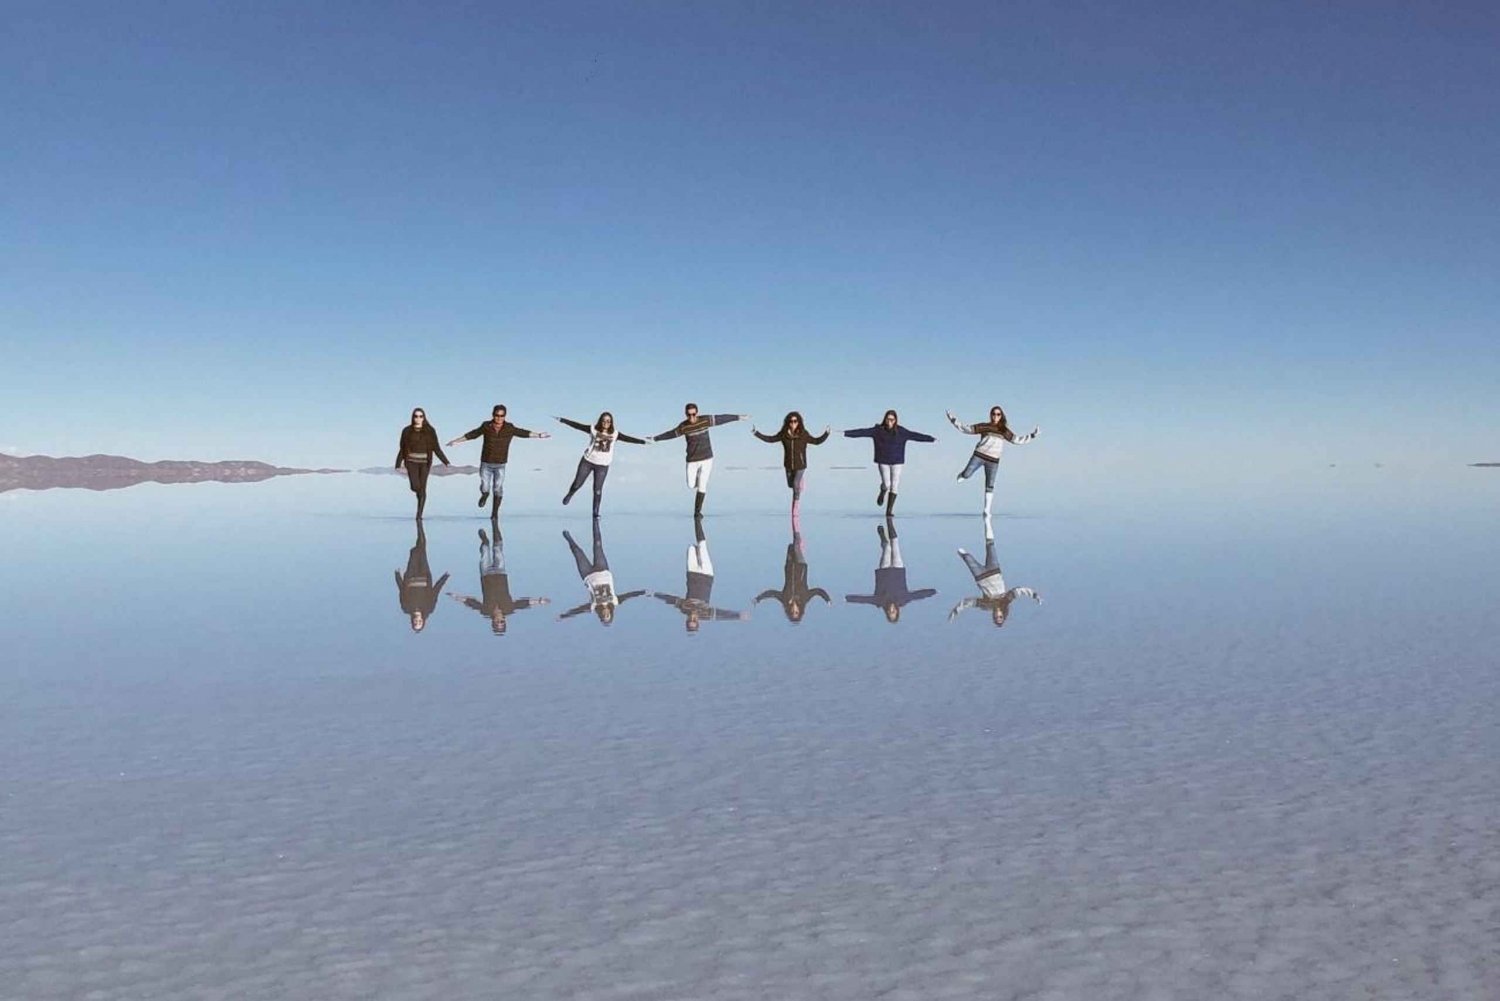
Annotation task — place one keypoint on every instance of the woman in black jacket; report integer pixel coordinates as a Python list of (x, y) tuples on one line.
[(794, 441), (419, 443)]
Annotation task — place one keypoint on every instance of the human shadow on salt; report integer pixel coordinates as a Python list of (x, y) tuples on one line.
[(418, 592), (694, 604), (795, 594), (994, 596), (891, 593), (598, 579), (496, 602)]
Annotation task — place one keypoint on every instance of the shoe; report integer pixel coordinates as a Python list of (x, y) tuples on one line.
[(484, 495), (880, 498), (566, 498)]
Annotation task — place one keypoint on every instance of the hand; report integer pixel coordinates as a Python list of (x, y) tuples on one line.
[(744, 417), (1035, 432), (544, 601), (544, 434), (827, 428)]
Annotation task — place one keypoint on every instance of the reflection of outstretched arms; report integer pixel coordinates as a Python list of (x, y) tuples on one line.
[(919, 594), (531, 602), (863, 599), (670, 599), (576, 611), (818, 592), (768, 593), (438, 587), (464, 599), (398, 579), (722, 614), (630, 594), (962, 606)]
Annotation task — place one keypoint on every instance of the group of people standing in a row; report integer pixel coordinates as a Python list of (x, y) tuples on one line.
[(420, 447), (419, 592)]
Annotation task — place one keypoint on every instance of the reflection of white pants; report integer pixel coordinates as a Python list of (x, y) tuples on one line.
[(890, 476), (698, 473), (697, 559), (890, 553)]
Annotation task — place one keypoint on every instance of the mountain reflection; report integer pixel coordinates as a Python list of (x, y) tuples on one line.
[(794, 595), (419, 595), (891, 593), (593, 570), (994, 595), (694, 605), (494, 584)]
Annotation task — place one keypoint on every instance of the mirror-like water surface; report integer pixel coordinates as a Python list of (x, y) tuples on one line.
[(259, 741)]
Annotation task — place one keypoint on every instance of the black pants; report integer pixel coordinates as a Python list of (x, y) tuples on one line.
[(585, 467), (416, 475)]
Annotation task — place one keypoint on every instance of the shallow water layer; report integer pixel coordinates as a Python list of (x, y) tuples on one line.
[(1234, 750)]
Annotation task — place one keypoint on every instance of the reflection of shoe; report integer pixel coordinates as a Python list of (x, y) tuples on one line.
[(880, 531), (484, 495), (880, 498), (484, 540)]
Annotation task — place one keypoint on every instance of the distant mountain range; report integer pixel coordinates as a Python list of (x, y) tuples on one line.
[(1485, 465), (112, 472)]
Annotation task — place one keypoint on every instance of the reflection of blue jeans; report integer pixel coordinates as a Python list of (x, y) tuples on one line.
[(975, 461), (492, 478)]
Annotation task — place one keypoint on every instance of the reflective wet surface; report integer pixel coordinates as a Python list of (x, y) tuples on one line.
[(263, 740)]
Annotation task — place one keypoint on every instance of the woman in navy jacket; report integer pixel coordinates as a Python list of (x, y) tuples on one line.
[(890, 454)]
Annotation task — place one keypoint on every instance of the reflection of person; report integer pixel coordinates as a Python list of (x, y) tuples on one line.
[(891, 593), (700, 450), (694, 605), (994, 595), (598, 456), (794, 440), (497, 433), (419, 594), (890, 440), (419, 443), (992, 438), (494, 584), (794, 595), (596, 576)]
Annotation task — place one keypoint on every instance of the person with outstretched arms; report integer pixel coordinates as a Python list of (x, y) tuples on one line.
[(494, 584), (419, 444), (594, 571), (794, 439), (598, 456), (419, 595), (890, 440), (891, 593), (700, 450), (694, 604), (993, 594), (497, 433), (993, 435)]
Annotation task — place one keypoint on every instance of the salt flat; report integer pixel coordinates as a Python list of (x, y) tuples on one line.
[(1240, 753)]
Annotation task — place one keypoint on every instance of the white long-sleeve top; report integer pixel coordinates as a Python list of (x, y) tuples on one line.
[(601, 445), (991, 441)]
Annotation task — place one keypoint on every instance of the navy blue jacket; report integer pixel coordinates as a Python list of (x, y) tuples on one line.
[(890, 445)]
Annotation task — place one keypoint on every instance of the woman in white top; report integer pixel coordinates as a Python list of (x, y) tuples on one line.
[(993, 435), (597, 457)]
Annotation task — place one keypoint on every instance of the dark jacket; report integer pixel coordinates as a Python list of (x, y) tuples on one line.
[(696, 432), (496, 450), (420, 440), (794, 447), (417, 590), (794, 583), (890, 444), (890, 589), (496, 590)]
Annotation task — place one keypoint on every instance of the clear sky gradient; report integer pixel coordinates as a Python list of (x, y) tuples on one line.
[(1177, 236)]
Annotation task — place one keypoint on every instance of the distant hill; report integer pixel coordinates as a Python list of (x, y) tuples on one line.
[(112, 472), (1485, 465)]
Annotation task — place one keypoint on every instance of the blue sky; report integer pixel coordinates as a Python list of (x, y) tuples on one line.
[(1200, 235)]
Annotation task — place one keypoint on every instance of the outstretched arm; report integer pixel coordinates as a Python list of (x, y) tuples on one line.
[(576, 425), (917, 435), (860, 433), (632, 439), (818, 439), (1022, 439), (467, 436), (669, 433), (718, 419), (766, 437), (965, 428)]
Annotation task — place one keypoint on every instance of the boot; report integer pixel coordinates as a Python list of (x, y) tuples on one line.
[(880, 497), (484, 495), (495, 506), (698, 505), (890, 504), (421, 503)]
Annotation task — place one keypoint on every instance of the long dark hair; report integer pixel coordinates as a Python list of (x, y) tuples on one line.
[(1001, 426), (890, 413), (786, 423), (419, 410), (599, 424)]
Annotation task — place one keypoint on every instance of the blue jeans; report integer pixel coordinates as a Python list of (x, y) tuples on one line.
[(975, 461), (492, 478)]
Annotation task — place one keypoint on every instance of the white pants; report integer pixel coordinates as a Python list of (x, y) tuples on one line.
[(698, 473), (698, 560), (890, 477)]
